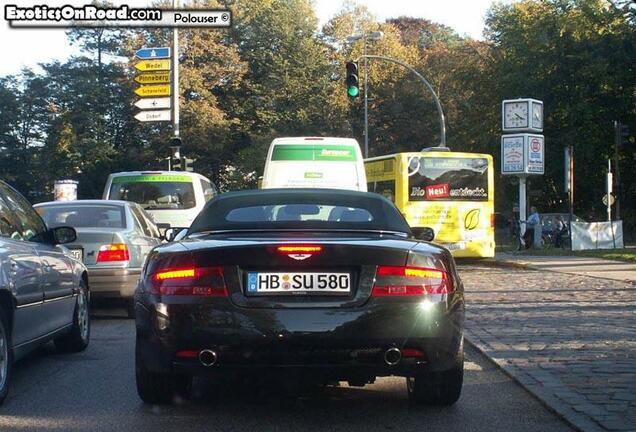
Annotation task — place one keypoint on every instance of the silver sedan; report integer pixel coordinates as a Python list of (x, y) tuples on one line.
[(113, 239)]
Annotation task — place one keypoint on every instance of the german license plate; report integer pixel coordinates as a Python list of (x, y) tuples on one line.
[(298, 283), (78, 254)]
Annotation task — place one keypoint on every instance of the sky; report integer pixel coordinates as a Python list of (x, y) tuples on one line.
[(28, 47)]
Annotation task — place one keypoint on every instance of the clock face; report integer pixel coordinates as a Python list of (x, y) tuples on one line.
[(516, 114), (537, 116)]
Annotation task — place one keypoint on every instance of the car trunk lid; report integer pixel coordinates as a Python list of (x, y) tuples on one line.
[(89, 240), (303, 270)]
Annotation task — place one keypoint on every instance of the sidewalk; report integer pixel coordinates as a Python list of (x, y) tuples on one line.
[(564, 328), (581, 266)]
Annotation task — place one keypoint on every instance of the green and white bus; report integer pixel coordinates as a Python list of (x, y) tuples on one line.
[(172, 198), (314, 162)]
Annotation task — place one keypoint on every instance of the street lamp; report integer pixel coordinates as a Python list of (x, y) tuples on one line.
[(374, 36)]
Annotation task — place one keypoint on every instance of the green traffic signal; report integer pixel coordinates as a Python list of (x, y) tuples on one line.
[(352, 79)]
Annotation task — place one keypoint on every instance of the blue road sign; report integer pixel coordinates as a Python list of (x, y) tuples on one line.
[(153, 53)]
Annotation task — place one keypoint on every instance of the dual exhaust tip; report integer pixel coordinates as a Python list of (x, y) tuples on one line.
[(392, 356), (208, 358)]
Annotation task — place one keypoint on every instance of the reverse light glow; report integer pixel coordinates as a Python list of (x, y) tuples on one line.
[(426, 305)]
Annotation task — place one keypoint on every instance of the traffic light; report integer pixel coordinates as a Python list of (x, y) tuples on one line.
[(352, 79), (187, 164)]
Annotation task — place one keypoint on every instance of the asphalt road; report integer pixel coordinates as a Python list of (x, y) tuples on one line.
[(95, 391)]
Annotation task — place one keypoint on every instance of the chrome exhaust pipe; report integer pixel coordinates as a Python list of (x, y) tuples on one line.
[(207, 357), (392, 356)]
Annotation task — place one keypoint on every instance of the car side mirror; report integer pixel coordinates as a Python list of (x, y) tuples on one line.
[(172, 234), (64, 235), (423, 233)]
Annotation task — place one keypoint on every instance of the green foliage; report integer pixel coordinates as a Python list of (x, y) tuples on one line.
[(275, 73)]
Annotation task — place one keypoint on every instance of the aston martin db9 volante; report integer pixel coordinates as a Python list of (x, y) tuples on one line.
[(322, 285)]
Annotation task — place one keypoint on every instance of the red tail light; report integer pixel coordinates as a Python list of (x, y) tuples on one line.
[(410, 281), (194, 281), (286, 249), (492, 220), (113, 252)]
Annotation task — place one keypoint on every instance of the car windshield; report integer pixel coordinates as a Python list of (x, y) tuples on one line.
[(83, 216), (155, 192), (300, 209)]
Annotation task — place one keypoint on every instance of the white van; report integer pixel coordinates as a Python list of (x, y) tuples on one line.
[(172, 198), (315, 162)]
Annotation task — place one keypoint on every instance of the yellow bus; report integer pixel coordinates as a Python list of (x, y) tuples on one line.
[(453, 193)]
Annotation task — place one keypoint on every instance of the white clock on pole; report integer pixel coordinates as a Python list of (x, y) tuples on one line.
[(522, 115)]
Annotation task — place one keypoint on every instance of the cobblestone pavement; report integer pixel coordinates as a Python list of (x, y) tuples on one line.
[(570, 340)]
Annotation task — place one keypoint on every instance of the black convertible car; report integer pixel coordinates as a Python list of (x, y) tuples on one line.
[(321, 285)]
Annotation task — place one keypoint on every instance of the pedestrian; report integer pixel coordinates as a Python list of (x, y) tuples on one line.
[(533, 222), (561, 231)]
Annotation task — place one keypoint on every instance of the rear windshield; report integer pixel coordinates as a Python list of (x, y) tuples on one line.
[(154, 192), (83, 216), (300, 209), (448, 179)]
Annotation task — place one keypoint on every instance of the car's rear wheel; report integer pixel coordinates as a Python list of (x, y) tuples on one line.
[(160, 388), (6, 358), (78, 338), (436, 388)]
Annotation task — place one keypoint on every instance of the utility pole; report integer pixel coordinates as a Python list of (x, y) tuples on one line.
[(617, 143)]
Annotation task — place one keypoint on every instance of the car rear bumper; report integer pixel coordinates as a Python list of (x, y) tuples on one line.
[(113, 282), (331, 343)]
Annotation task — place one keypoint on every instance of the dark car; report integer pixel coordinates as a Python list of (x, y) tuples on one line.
[(113, 240), (43, 289), (325, 285)]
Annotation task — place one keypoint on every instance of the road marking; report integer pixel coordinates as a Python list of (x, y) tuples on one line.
[(470, 366)]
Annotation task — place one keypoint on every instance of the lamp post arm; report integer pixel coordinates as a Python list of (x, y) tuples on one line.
[(442, 123)]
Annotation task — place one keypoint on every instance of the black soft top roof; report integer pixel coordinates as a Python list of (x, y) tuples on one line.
[(386, 216)]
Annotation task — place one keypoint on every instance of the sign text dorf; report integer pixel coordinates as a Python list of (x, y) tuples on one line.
[(157, 115), (522, 154), (153, 90), (153, 65), (153, 78), (153, 103), (153, 53)]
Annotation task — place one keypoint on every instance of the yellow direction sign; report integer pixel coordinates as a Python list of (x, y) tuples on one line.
[(153, 65), (153, 90), (153, 78)]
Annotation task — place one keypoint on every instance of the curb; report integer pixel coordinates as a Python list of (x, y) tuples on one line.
[(510, 264), (521, 265), (551, 403)]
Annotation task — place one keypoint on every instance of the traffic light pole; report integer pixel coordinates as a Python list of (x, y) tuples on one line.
[(442, 123), (366, 101)]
